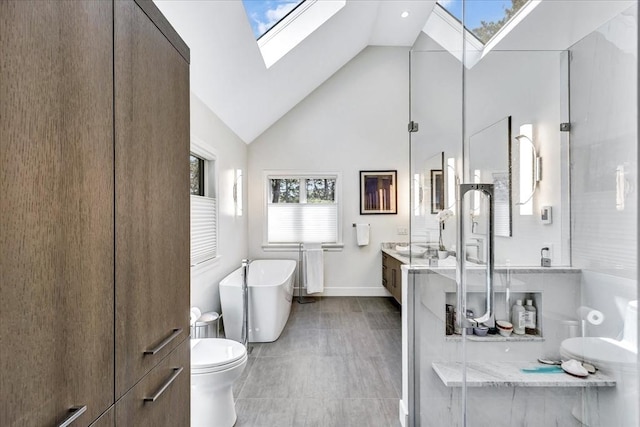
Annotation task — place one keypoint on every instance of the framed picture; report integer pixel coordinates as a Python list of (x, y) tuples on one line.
[(378, 192), (437, 191)]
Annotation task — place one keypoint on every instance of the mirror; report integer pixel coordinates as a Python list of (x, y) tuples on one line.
[(490, 162), (428, 196)]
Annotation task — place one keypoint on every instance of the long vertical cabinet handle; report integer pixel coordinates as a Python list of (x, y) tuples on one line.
[(74, 415), (176, 372), (487, 189), (164, 342)]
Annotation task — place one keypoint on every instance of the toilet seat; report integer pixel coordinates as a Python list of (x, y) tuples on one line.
[(210, 355)]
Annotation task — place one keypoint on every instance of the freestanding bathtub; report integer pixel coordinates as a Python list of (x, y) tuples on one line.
[(270, 295)]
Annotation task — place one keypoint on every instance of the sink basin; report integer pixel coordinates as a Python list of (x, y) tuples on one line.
[(599, 350), (414, 250)]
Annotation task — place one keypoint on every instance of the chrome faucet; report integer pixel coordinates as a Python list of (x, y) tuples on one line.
[(245, 302), (478, 245)]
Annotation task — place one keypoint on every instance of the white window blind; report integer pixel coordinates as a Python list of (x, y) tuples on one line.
[(294, 222), (204, 239)]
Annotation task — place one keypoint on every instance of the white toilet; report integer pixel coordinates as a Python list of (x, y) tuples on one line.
[(618, 359), (216, 364)]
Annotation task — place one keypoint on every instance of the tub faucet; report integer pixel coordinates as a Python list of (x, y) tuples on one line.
[(245, 302)]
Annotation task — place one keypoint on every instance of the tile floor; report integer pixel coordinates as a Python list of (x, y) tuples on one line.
[(337, 363)]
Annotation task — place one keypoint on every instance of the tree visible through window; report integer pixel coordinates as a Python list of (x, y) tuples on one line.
[(302, 209), (483, 18), (486, 30), (285, 191), (196, 168)]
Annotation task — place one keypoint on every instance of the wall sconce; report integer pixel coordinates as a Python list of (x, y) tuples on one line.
[(451, 184), (623, 188), (237, 192), (417, 194), (530, 169), (475, 202)]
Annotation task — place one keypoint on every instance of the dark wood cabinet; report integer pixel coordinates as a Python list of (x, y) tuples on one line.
[(152, 194), (392, 276), (56, 226), (166, 383), (94, 226)]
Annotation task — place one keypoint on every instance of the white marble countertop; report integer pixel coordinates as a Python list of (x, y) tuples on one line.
[(509, 374), (439, 265), (449, 263)]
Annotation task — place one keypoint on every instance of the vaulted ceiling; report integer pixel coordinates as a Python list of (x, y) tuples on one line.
[(229, 74)]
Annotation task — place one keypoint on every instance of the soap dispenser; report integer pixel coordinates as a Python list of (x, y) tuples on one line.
[(518, 317)]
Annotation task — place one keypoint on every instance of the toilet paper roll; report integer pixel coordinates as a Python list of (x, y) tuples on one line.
[(194, 315), (591, 315)]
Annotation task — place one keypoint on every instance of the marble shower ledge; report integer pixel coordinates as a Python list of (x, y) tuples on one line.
[(508, 374), (496, 338)]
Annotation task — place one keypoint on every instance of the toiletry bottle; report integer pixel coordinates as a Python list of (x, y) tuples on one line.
[(530, 318), (518, 318), (450, 319)]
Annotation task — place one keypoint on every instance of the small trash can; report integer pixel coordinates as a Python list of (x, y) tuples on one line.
[(206, 326)]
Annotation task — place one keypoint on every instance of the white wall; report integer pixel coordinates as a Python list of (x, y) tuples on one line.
[(604, 96), (436, 104), (525, 85), (355, 121), (231, 154), (604, 110)]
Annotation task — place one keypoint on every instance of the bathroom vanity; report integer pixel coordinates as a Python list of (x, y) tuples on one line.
[(393, 260), (391, 275)]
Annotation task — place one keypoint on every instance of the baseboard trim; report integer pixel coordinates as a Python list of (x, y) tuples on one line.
[(373, 291)]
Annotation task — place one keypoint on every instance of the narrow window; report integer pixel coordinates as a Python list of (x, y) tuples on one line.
[(204, 215), (196, 166)]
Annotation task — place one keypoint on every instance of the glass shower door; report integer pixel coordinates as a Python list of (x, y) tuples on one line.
[(516, 134)]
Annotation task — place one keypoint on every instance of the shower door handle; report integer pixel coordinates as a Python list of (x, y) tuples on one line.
[(486, 189)]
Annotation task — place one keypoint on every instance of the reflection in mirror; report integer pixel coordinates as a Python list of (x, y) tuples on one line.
[(429, 198), (490, 163), (437, 190)]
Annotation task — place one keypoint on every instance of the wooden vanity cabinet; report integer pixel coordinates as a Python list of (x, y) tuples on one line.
[(392, 276)]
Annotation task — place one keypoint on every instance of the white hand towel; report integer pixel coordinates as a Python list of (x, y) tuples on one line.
[(362, 234), (314, 267)]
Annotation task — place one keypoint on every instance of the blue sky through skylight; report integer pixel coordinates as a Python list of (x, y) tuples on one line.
[(265, 14), (479, 10)]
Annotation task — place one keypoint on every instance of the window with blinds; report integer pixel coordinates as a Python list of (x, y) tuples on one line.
[(302, 209), (204, 215)]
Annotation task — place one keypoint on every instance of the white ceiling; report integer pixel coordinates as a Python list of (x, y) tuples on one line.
[(229, 75)]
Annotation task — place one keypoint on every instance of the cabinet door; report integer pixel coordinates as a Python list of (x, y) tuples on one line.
[(152, 194), (108, 419), (56, 224), (385, 271), (396, 279), (168, 384)]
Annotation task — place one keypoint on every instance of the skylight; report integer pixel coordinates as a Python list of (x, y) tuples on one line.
[(280, 25), (484, 18), (265, 14)]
